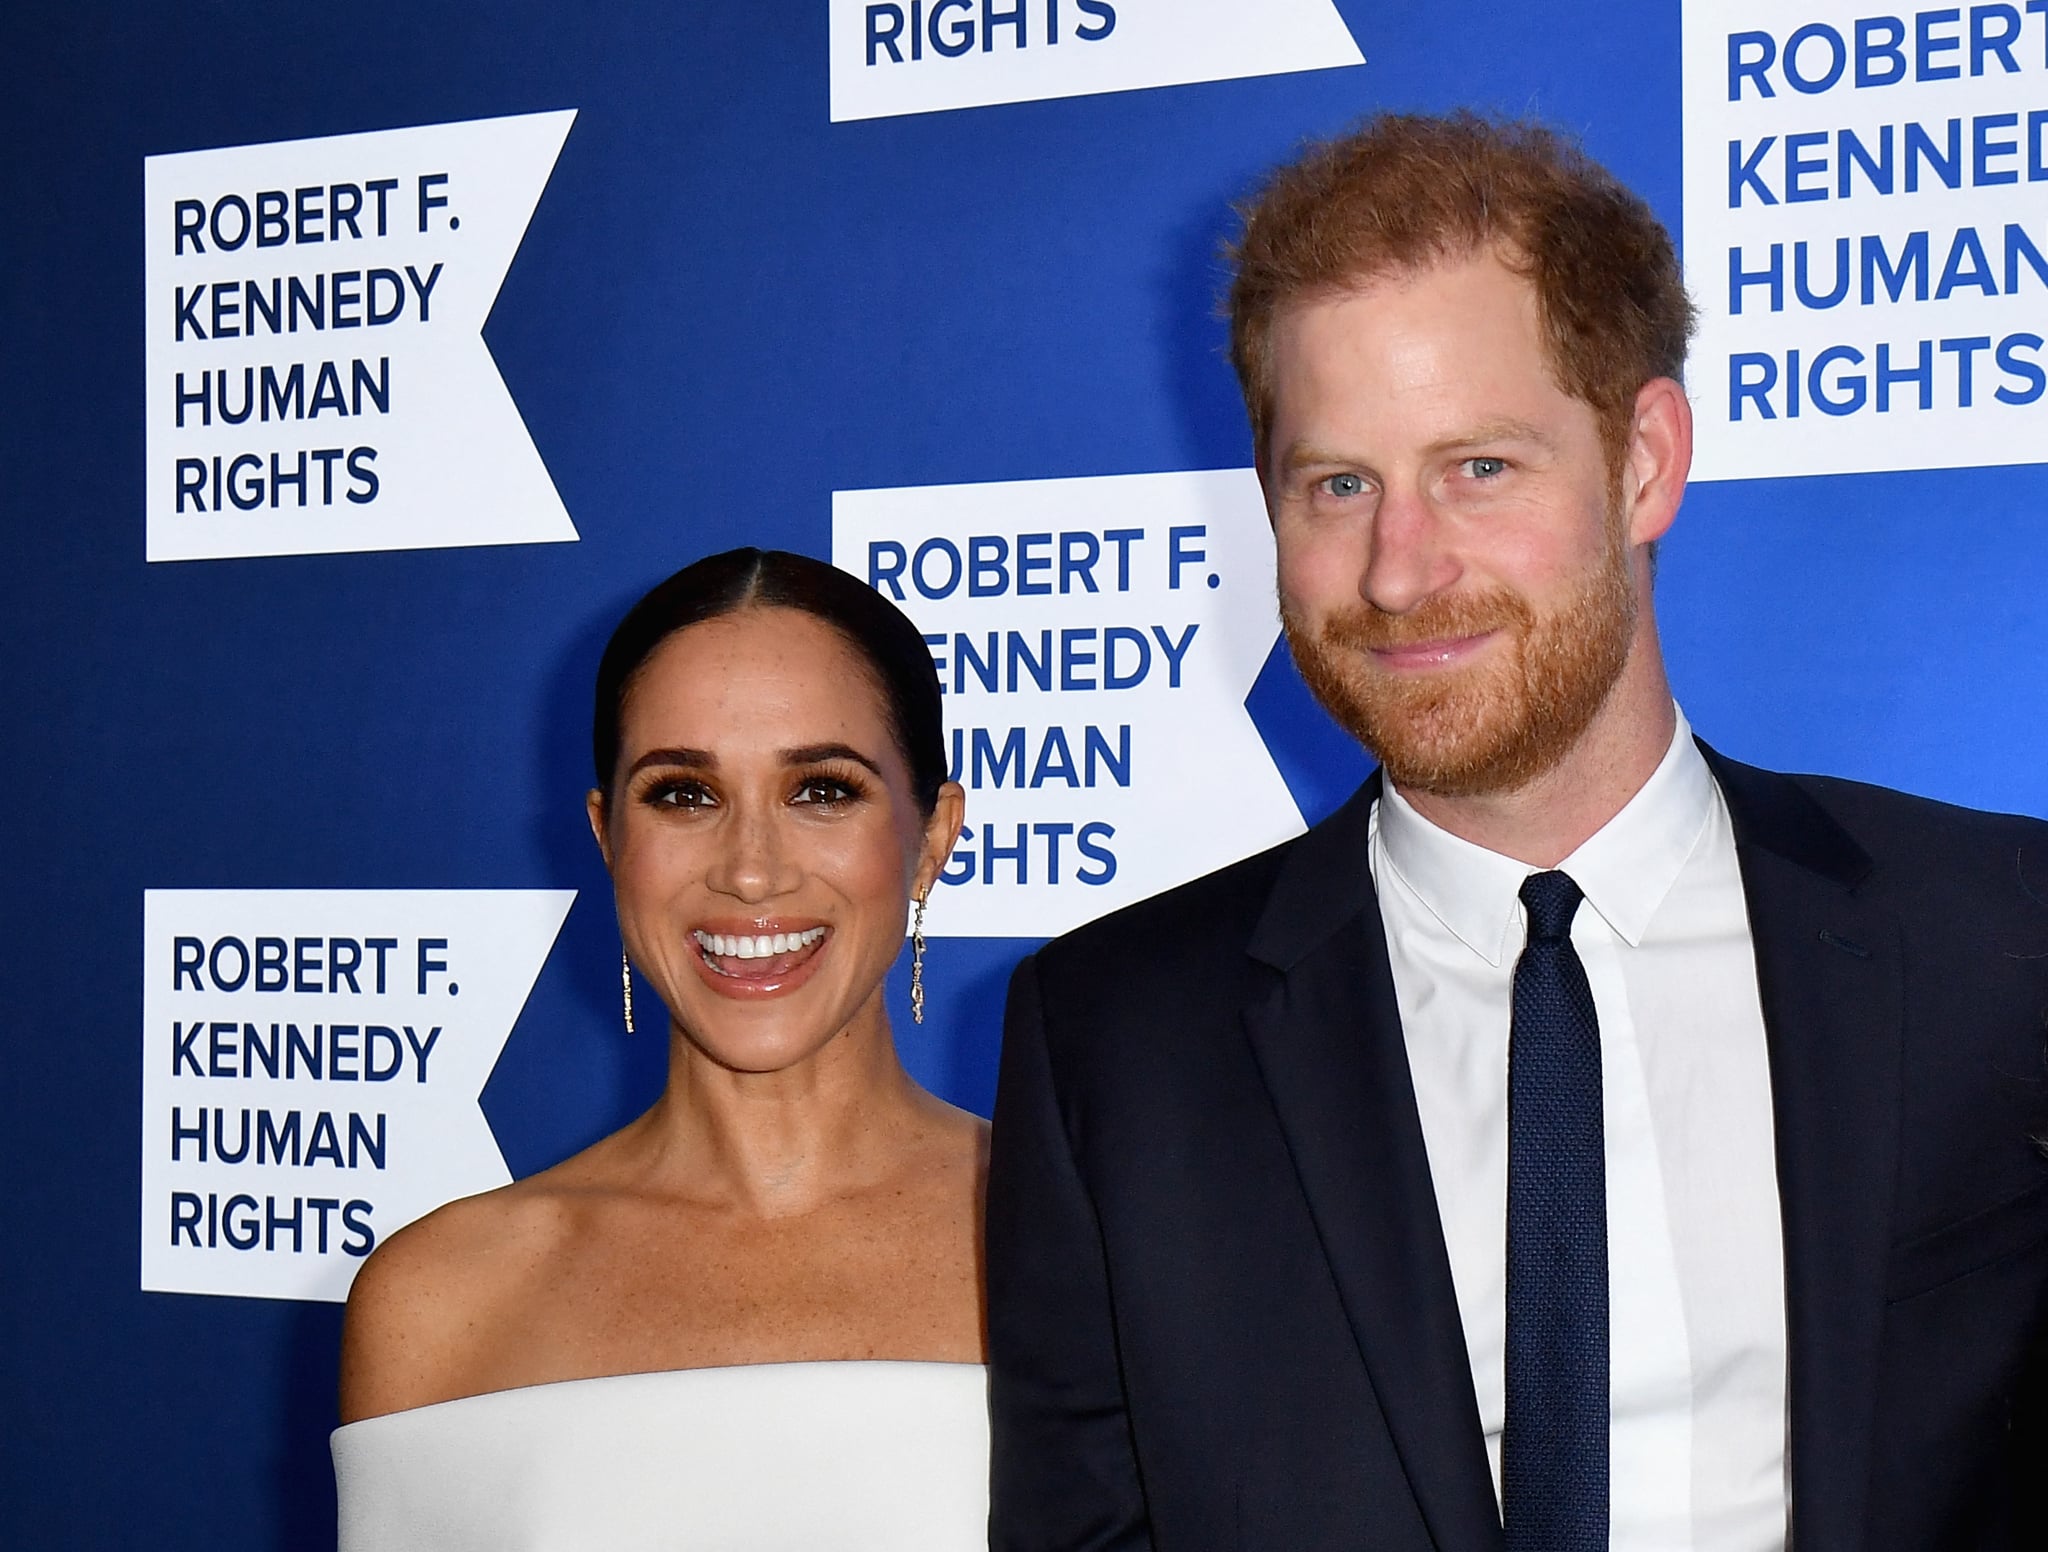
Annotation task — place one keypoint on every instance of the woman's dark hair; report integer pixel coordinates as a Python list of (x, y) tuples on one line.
[(722, 584)]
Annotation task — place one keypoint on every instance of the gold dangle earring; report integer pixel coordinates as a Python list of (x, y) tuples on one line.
[(917, 963), (626, 987)]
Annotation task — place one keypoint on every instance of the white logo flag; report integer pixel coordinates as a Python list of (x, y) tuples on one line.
[(1864, 236), (311, 1061), (1096, 639), (317, 376), (921, 56)]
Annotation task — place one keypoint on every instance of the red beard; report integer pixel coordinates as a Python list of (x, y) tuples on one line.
[(1496, 725)]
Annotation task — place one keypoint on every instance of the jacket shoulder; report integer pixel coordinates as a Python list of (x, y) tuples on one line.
[(1210, 915), (1926, 854), (1887, 814), (1191, 952), (1935, 838)]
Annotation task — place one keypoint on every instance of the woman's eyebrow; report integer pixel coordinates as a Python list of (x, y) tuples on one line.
[(814, 754), (697, 757)]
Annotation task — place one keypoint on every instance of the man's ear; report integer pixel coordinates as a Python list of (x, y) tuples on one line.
[(594, 807), (1659, 458)]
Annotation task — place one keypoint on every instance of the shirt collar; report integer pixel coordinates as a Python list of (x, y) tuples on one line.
[(1625, 869)]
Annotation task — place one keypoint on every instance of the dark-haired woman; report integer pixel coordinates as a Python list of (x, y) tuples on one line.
[(753, 1318)]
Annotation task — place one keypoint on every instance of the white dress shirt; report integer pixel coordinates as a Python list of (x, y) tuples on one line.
[(1696, 1284)]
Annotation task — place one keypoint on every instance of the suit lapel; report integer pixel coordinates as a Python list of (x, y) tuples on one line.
[(1828, 970), (1328, 1043)]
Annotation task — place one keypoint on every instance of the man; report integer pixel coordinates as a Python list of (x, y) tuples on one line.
[(1579, 1139)]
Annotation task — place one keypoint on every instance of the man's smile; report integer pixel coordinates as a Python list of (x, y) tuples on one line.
[(1424, 656)]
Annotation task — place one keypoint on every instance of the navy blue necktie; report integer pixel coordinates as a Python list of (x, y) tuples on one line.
[(1554, 1438)]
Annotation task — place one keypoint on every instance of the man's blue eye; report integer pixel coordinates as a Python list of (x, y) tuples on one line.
[(1486, 468), (1345, 485)]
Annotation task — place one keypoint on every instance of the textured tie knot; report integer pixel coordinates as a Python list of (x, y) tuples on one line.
[(1551, 899)]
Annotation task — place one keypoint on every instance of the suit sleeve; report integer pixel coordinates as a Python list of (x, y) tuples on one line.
[(1063, 1472)]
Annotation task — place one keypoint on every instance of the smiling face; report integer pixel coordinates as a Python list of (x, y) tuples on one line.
[(763, 838), (1460, 573)]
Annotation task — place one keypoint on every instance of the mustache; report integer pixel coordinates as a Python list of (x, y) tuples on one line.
[(1363, 628)]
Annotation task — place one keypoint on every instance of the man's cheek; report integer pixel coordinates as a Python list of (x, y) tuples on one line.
[(1318, 579)]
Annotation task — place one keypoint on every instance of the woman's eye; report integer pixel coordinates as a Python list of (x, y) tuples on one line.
[(1486, 468), (680, 794), (1345, 485), (823, 789)]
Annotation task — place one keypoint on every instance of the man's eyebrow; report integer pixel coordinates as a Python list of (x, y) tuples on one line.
[(1503, 429), (817, 754), (1303, 455)]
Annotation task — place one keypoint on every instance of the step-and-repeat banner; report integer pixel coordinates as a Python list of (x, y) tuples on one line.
[(364, 362)]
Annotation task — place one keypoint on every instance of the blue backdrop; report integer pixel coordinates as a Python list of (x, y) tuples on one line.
[(726, 308)]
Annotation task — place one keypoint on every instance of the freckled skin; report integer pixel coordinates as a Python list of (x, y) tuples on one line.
[(793, 1194)]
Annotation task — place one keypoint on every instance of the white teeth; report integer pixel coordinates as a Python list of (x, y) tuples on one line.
[(744, 946)]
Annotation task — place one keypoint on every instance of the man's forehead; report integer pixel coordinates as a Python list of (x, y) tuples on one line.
[(1411, 273), (1468, 337)]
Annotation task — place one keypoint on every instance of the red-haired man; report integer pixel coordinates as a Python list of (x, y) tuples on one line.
[(1579, 1140)]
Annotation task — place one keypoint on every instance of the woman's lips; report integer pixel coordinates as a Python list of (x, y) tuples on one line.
[(763, 961), (1420, 656)]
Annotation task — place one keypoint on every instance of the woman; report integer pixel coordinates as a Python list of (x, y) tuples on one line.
[(558, 1363)]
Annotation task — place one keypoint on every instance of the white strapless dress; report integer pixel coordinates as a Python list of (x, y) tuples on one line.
[(773, 1457)]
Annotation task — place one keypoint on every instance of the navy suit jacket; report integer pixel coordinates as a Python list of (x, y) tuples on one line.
[(1221, 1313)]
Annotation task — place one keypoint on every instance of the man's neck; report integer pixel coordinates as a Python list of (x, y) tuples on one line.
[(1546, 820)]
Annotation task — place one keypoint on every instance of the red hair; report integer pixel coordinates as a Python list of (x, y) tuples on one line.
[(1404, 191)]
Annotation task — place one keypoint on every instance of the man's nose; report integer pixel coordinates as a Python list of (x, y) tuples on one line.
[(1410, 556)]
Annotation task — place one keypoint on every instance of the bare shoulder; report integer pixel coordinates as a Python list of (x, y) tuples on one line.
[(425, 1307), (954, 1166), (959, 1137)]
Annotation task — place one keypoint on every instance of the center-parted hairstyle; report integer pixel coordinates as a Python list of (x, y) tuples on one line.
[(880, 634), (1404, 191)]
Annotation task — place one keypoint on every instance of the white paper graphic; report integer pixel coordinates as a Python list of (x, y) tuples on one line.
[(1096, 639), (317, 376), (921, 56), (311, 1061), (1865, 235)]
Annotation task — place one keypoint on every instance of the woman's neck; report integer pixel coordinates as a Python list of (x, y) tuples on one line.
[(779, 1143)]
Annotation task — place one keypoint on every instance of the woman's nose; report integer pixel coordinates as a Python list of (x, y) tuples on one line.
[(753, 859)]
